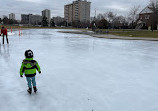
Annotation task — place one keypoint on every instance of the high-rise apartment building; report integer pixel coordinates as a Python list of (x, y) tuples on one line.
[(47, 13), (77, 11), (12, 16), (35, 19), (31, 19), (68, 13), (25, 18)]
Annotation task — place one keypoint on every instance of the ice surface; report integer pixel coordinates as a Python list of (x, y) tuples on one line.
[(80, 73), (11, 33)]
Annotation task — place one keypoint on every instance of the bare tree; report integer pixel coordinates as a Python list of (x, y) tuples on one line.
[(120, 22), (100, 16), (110, 17), (154, 7), (133, 15), (110, 20)]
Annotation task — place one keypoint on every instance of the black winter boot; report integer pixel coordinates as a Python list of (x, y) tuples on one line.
[(35, 89), (29, 90)]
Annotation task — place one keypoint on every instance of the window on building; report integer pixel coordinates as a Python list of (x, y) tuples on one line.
[(141, 17), (147, 16)]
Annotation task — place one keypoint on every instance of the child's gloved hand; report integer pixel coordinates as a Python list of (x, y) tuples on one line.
[(40, 72), (21, 75)]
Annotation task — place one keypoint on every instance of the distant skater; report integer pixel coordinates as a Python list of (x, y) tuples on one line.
[(4, 32), (29, 67)]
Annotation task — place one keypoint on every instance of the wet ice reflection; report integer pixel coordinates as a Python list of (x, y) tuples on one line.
[(4, 52)]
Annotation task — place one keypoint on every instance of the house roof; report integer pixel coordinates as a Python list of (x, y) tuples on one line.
[(146, 10)]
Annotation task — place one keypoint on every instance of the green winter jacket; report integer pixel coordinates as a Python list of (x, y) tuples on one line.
[(29, 67)]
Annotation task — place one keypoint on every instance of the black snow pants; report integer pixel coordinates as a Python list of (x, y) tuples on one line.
[(6, 39)]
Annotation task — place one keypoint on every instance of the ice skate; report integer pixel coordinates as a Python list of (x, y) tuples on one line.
[(29, 90), (35, 89)]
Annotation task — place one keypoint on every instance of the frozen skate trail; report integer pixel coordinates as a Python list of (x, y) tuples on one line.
[(80, 73)]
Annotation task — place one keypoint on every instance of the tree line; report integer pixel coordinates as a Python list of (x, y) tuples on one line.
[(7, 21), (111, 20)]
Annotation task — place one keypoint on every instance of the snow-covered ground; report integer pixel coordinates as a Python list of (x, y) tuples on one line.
[(80, 73)]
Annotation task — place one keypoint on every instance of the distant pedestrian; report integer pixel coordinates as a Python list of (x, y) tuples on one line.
[(4, 33), (29, 67)]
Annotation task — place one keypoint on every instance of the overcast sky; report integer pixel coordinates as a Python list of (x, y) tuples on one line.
[(18, 7)]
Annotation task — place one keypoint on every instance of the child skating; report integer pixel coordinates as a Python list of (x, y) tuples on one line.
[(29, 67)]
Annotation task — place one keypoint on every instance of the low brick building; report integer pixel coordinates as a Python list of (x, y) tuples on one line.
[(147, 19)]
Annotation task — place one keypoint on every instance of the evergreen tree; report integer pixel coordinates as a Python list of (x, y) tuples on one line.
[(45, 22), (5, 20), (102, 24), (52, 24)]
